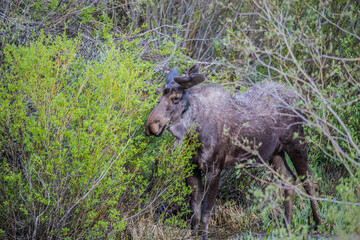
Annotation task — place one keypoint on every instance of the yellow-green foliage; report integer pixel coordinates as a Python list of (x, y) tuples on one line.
[(75, 160)]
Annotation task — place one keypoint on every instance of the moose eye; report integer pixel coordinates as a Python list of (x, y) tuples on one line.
[(176, 100)]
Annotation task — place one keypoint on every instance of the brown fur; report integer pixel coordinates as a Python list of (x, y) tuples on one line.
[(257, 124)]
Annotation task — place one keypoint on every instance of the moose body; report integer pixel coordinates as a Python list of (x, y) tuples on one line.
[(232, 129)]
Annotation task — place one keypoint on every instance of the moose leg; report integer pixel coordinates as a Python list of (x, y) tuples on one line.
[(210, 190), (280, 166), (195, 202), (298, 156)]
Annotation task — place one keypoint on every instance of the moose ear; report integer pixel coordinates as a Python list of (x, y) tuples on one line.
[(170, 77), (190, 81), (194, 69)]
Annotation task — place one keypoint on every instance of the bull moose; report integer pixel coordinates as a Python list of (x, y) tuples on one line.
[(258, 124)]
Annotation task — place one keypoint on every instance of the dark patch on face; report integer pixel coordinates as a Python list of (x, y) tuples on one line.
[(166, 91)]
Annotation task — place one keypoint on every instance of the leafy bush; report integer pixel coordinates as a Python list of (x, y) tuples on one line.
[(76, 162)]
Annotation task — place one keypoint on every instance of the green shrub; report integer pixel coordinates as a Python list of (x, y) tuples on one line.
[(76, 162)]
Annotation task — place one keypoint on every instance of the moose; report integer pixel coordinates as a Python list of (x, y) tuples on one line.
[(258, 126)]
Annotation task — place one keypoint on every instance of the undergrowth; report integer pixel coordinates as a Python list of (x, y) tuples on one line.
[(75, 160), (76, 85)]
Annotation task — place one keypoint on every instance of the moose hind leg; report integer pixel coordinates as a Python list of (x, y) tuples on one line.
[(195, 201), (279, 163), (298, 156)]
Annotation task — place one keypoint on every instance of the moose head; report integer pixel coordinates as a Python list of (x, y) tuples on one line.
[(173, 102)]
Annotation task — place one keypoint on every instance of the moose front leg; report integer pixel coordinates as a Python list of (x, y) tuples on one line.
[(210, 191), (195, 202)]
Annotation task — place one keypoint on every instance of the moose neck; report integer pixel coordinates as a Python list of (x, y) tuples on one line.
[(202, 102)]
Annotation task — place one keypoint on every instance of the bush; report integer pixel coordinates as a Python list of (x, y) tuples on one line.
[(76, 162)]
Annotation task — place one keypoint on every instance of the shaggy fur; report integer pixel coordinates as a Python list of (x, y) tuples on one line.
[(257, 124)]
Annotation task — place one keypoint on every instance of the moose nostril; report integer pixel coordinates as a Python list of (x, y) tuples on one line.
[(159, 126)]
